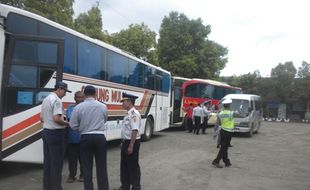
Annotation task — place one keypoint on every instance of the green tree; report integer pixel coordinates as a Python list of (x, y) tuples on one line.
[(184, 50), (139, 40), (15, 3), (283, 77), (90, 24), (60, 11), (304, 70)]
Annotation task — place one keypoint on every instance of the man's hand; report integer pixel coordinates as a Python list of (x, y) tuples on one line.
[(130, 149)]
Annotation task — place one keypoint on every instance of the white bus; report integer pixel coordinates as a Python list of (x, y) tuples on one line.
[(36, 52)]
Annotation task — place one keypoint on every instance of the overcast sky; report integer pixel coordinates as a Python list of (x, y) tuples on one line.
[(259, 34)]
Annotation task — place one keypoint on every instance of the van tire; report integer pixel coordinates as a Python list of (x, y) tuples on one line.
[(148, 129), (250, 133)]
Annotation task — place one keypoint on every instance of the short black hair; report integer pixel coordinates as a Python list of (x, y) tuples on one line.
[(89, 90)]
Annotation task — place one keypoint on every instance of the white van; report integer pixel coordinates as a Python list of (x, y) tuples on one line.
[(248, 112)]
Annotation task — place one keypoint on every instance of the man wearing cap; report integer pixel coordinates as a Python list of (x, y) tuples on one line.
[(89, 117), (53, 137), (226, 121), (130, 168)]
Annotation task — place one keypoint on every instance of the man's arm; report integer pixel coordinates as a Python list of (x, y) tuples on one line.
[(132, 141), (59, 120), (74, 121)]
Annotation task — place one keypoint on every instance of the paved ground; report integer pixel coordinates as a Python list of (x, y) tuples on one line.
[(275, 159)]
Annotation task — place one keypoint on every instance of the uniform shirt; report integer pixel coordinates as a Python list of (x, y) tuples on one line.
[(198, 112), (89, 117), (51, 106), (73, 135), (132, 121), (206, 111)]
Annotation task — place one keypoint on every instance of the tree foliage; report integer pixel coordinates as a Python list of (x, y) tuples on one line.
[(184, 50), (304, 70), (15, 3), (90, 24), (139, 40), (60, 11)]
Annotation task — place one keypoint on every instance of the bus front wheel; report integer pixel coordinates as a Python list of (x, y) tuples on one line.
[(148, 130)]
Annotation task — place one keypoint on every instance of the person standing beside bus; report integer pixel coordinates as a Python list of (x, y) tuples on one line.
[(130, 168), (226, 121), (189, 115), (53, 137), (89, 117), (197, 118), (206, 115), (74, 142)]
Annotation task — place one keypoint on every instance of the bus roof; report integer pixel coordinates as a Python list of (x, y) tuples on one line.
[(6, 9), (213, 82)]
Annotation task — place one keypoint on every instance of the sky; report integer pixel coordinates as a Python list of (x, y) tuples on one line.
[(259, 34)]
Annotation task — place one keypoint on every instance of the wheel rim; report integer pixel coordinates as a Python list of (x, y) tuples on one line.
[(148, 129)]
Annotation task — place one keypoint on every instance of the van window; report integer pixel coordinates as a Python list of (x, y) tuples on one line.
[(240, 107)]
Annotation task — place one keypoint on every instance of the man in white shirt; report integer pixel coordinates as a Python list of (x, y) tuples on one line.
[(53, 137), (89, 118), (197, 118)]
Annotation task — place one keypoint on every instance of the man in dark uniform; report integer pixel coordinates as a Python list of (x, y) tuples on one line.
[(130, 169)]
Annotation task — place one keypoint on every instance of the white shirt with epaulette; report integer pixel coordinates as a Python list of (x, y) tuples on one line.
[(132, 121), (51, 106)]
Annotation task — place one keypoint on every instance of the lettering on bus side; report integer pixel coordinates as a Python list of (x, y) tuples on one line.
[(104, 95)]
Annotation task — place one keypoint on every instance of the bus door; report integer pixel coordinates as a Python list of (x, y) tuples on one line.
[(32, 66), (159, 103)]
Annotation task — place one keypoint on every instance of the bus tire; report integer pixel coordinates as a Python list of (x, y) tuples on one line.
[(148, 129)]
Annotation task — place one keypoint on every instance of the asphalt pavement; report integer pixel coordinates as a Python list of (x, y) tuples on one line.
[(277, 158)]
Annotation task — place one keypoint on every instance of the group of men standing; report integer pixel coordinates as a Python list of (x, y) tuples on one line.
[(86, 121), (197, 117)]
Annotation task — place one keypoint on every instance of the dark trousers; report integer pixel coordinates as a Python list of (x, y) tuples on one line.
[(189, 124), (204, 124), (130, 168), (73, 158), (94, 145), (197, 124), (54, 149), (225, 142)]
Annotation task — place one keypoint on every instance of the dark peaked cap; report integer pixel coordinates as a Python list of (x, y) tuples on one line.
[(126, 96), (62, 85)]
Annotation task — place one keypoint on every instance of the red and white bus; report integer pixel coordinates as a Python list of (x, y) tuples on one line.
[(36, 52), (202, 90)]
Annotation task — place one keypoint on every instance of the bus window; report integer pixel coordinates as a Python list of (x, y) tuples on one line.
[(166, 83), (133, 78), (70, 65), (219, 92), (207, 91), (117, 68), (89, 60), (23, 76), (18, 24)]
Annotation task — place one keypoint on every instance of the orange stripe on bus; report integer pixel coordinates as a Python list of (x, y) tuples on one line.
[(20, 126)]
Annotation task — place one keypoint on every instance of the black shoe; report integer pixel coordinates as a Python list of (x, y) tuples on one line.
[(217, 165), (218, 146), (71, 179), (228, 165)]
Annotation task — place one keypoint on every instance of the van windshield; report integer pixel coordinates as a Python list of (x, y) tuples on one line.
[(240, 107)]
